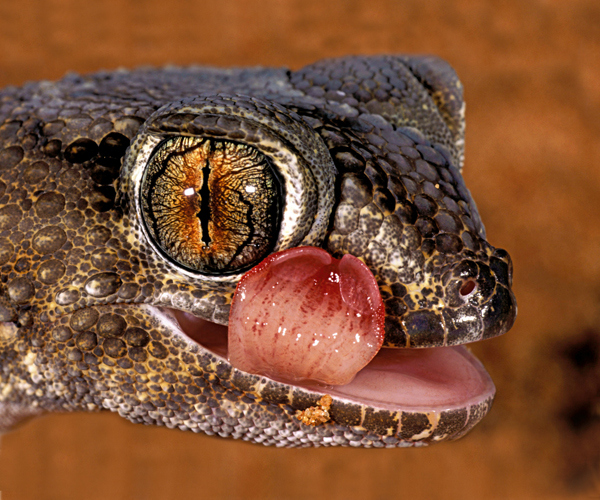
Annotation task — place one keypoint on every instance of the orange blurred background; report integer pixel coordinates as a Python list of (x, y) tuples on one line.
[(531, 72)]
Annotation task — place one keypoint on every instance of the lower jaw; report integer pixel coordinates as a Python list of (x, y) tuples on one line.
[(415, 380)]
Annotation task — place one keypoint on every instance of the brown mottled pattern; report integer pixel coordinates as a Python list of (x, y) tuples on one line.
[(370, 151)]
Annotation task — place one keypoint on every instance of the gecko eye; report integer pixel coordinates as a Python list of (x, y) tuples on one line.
[(213, 206), (219, 182)]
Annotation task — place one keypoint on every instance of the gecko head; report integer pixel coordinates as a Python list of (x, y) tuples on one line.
[(122, 250)]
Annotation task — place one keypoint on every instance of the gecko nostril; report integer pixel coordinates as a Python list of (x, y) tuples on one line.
[(468, 288)]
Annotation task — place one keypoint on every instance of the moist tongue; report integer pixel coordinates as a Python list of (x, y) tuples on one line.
[(303, 315)]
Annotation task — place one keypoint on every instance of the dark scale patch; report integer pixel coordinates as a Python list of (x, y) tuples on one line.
[(449, 203), (427, 227), (485, 281), (431, 155), (136, 337), (432, 190), (376, 174), (86, 341), (501, 270), (415, 135), (20, 290), (10, 157), (105, 171), (409, 152), (395, 334), (343, 413), (103, 284), (498, 313), (385, 201), (113, 145), (426, 170), (469, 242), (347, 160), (48, 239), (103, 258), (448, 223), (84, 319), (243, 381), (380, 421), (425, 205), (395, 307), (413, 424), (49, 205), (333, 138), (223, 371), (7, 311), (81, 150), (53, 127), (111, 325), (158, 350), (52, 148), (400, 163), (35, 172), (137, 354), (424, 328), (448, 243), (67, 296), (102, 199), (10, 216), (274, 392), (22, 265), (9, 130), (51, 271), (6, 250)]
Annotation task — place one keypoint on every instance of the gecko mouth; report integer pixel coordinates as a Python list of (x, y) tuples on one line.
[(430, 380)]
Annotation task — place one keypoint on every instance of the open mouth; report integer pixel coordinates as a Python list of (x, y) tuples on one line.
[(418, 380), (280, 329)]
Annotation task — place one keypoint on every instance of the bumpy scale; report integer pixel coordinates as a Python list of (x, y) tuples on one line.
[(364, 155)]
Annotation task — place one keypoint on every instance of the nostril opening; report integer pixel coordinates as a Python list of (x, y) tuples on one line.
[(467, 288)]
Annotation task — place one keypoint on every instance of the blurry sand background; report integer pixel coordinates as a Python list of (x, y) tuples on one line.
[(531, 73)]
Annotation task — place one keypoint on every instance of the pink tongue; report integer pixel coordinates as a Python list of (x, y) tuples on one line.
[(303, 315)]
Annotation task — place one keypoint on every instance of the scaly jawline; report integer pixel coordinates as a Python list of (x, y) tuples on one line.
[(428, 380)]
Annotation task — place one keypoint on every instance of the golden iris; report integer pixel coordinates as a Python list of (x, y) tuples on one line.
[(211, 205)]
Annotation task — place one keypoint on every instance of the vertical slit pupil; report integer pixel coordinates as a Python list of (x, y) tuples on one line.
[(204, 213), (197, 209)]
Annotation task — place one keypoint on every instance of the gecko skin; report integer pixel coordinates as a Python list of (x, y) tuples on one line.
[(360, 155)]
